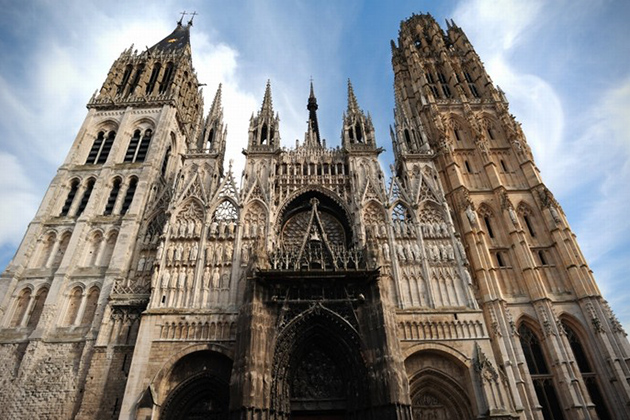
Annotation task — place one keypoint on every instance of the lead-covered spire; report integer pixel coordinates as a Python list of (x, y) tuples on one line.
[(312, 115)]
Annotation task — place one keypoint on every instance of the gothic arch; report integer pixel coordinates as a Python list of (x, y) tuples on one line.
[(440, 384), (162, 386), (319, 333), (197, 385), (328, 202), (144, 123), (108, 124), (460, 130), (405, 206), (315, 189)]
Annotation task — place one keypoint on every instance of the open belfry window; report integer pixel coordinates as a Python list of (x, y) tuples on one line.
[(138, 146), (101, 147)]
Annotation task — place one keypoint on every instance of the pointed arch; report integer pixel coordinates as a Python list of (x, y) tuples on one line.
[(38, 307), (319, 334), (582, 354), (20, 307), (538, 366), (440, 383)]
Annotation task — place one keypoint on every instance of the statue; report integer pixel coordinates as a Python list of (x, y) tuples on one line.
[(215, 278), (472, 216)]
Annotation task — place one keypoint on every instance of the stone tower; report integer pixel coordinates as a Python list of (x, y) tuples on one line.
[(151, 286), (562, 351)]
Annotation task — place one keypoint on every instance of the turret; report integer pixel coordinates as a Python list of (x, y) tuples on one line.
[(212, 137), (358, 131), (263, 128)]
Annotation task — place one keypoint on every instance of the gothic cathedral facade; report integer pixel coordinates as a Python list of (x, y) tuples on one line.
[(150, 285)]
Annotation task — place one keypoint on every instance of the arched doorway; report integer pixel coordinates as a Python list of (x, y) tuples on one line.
[(439, 387), (318, 371), (199, 384)]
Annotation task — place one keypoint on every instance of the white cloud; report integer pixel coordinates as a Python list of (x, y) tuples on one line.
[(19, 200)]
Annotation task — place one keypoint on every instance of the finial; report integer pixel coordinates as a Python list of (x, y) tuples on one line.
[(193, 14), (312, 94)]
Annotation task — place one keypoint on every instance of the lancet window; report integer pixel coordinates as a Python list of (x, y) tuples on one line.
[(167, 77), (86, 196), (138, 146), (131, 190), (101, 147), (154, 76), (74, 187), (540, 374), (588, 373), (28, 308), (125, 79), (81, 306), (113, 194)]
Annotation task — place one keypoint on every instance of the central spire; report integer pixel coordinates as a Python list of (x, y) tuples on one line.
[(312, 114)]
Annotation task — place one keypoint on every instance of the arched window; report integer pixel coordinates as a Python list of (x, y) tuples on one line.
[(113, 194), (167, 155), (154, 76), (86, 197), (125, 79), (106, 255), (486, 221), (263, 134), (21, 307), (45, 250), (90, 306), (539, 372), (94, 246), (96, 148), (528, 223), (144, 146), (63, 245), (133, 146), (74, 187), (38, 307), (210, 138), (129, 196), (359, 133), (166, 78), (136, 78), (589, 375), (138, 146), (74, 303)]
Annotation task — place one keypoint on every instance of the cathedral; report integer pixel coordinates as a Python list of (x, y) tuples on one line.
[(152, 285)]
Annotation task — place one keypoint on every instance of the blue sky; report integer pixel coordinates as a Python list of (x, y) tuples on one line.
[(564, 65)]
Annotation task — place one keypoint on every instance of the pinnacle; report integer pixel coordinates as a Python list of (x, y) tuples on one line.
[(216, 103), (267, 104), (353, 105)]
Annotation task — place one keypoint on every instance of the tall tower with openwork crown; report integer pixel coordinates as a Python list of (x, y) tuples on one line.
[(561, 350), (151, 286)]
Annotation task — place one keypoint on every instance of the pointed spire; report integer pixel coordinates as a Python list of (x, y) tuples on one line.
[(312, 115), (215, 109), (267, 105), (353, 105)]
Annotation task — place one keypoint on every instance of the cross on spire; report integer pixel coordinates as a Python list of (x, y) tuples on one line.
[(193, 14), (181, 19)]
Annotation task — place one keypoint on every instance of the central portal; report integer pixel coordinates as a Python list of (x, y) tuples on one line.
[(317, 384)]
